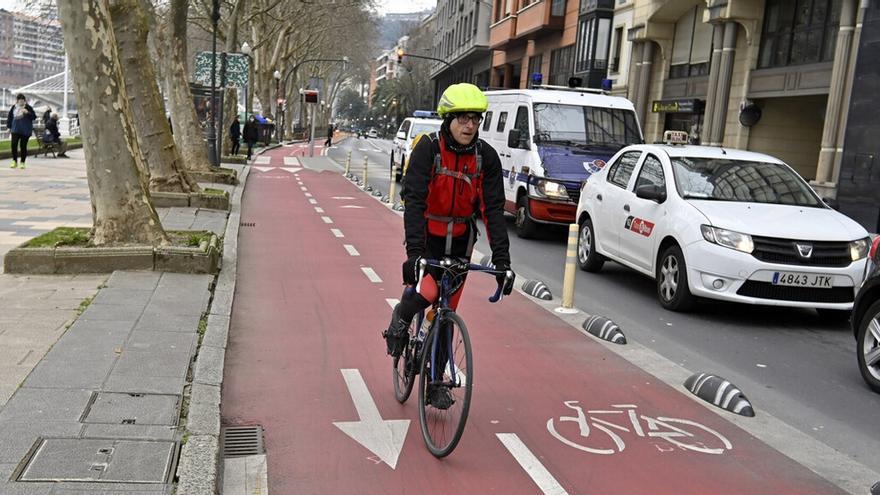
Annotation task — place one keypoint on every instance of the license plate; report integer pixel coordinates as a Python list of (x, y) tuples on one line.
[(811, 280)]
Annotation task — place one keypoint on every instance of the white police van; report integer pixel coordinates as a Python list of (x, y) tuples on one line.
[(551, 139), (422, 121)]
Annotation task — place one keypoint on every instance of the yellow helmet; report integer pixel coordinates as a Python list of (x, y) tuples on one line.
[(462, 97)]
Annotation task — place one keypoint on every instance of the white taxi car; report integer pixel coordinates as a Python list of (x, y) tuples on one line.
[(721, 224), (421, 122)]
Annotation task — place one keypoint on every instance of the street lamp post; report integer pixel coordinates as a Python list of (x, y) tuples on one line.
[(246, 50), (277, 76), (212, 129)]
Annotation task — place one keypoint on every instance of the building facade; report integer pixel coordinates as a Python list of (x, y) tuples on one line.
[(38, 41), (772, 76), (461, 39)]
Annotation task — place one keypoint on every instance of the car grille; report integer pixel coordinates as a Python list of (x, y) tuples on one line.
[(784, 251), (766, 290), (574, 191)]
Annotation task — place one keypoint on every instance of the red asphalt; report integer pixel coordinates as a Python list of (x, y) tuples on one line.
[(304, 310)]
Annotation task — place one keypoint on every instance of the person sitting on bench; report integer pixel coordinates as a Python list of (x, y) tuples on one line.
[(53, 136)]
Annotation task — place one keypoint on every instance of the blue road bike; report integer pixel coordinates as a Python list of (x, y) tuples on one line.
[(440, 355)]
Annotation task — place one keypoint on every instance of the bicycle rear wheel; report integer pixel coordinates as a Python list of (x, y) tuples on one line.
[(403, 375), (442, 427)]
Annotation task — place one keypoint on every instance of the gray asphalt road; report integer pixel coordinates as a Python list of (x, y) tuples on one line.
[(788, 362), (377, 152)]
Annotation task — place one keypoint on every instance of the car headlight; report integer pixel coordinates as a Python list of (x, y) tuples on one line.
[(551, 189), (728, 238), (859, 249)]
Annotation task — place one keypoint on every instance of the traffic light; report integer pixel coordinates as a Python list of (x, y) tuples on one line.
[(310, 96)]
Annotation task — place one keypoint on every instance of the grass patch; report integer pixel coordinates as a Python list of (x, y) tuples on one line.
[(83, 305), (62, 236), (208, 191), (6, 145), (189, 238)]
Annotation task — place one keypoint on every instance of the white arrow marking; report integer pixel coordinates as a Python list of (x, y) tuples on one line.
[(352, 206), (382, 437), (533, 467), (264, 169), (342, 197), (289, 170)]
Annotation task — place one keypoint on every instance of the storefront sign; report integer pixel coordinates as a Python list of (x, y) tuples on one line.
[(677, 106)]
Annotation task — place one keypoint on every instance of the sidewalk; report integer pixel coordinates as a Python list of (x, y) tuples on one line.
[(91, 404)]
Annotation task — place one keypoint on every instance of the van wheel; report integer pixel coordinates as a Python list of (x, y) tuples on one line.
[(525, 226), (672, 281), (588, 259), (868, 343)]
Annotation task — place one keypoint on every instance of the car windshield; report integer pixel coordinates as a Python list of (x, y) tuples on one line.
[(741, 181), (418, 128), (585, 126)]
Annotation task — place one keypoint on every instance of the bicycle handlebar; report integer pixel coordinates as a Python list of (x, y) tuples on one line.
[(446, 263)]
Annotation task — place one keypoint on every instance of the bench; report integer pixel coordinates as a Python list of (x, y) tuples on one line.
[(46, 147)]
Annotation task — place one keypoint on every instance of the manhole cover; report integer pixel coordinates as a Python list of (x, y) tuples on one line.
[(133, 409), (100, 460), (236, 441)]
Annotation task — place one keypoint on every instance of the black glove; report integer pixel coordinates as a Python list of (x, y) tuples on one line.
[(410, 270), (501, 278)]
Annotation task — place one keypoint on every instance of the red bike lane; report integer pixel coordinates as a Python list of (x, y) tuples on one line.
[(315, 274)]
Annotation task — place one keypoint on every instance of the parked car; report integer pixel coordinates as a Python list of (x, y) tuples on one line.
[(549, 140), (421, 122), (866, 321), (721, 224), (372, 133)]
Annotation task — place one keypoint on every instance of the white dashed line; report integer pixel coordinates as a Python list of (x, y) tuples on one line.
[(313, 201), (308, 195), (532, 466), (303, 188), (392, 302), (319, 209), (351, 250), (337, 232), (327, 219), (371, 275)]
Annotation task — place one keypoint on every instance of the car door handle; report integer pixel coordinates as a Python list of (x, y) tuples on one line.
[(599, 197), (625, 207)]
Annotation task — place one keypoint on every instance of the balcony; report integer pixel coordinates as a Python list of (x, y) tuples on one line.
[(502, 32), (543, 15)]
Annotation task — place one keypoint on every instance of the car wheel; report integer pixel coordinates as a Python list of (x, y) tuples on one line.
[(672, 282), (587, 258), (834, 315), (525, 226), (868, 346)]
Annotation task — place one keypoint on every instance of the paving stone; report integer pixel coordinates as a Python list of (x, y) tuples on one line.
[(17, 437), (71, 373), (166, 364), (145, 384), (145, 432), (15, 488), (109, 329), (175, 307), (121, 460), (185, 281), (133, 279), (34, 405), (169, 300), (117, 408), (112, 312), (162, 322), (125, 296), (161, 342)]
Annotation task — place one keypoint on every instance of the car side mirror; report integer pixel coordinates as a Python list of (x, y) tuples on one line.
[(516, 139), (651, 192), (401, 135)]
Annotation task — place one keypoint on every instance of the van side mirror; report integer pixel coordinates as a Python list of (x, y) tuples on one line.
[(401, 135), (651, 192), (516, 139)]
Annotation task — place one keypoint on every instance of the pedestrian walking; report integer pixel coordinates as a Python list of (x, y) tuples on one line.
[(251, 135), (329, 140), (235, 135), (20, 122)]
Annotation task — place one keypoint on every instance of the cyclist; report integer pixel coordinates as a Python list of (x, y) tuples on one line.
[(452, 178)]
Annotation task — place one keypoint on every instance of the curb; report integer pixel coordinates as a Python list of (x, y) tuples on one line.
[(199, 470)]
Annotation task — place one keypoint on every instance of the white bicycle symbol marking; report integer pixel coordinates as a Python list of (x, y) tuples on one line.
[(659, 427)]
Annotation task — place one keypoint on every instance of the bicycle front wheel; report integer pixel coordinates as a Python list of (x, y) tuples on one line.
[(447, 364), (405, 366)]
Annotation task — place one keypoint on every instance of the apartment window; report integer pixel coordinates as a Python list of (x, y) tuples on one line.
[(525, 3), (561, 65), (535, 62), (557, 8), (799, 32), (691, 46), (616, 47), (592, 45)]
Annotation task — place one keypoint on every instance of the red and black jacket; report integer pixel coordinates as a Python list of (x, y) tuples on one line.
[(470, 183)]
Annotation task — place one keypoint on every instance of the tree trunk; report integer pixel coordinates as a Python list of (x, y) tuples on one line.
[(131, 27), (188, 134), (122, 211), (230, 112)]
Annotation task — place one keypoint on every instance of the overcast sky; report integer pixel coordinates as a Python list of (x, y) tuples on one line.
[(385, 5)]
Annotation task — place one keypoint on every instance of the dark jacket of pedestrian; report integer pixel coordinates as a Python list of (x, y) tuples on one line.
[(47, 115), (21, 119), (251, 134), (52, 129), (235, 130)]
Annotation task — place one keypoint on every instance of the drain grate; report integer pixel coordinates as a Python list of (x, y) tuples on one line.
[(237, 441), (248, 224)]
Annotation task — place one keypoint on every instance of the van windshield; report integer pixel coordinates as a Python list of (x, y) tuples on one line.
[(585, 126), (421, 127)]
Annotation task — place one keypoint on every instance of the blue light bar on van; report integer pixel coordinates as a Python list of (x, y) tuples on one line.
[(426, 114)]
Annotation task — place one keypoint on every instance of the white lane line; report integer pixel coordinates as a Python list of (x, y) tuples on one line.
[(263, 160), (351, 250), (371, 275), (392, 302), (313, 201), (303, 188), (532, 466), (327, 219), (319, 209), (308, 195), (337, 232)]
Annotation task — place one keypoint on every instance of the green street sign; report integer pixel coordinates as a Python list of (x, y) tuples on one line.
[(236, 69)]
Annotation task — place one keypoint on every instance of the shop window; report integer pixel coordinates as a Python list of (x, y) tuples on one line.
[(535, 62), (561, 65), (799, 32), (691, 46)]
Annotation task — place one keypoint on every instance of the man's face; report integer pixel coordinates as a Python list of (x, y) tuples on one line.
[(464, 127)]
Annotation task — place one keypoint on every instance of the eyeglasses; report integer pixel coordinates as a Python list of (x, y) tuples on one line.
[(472, 117)]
